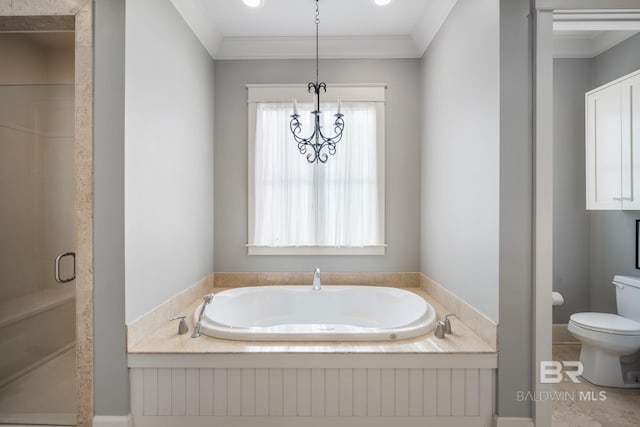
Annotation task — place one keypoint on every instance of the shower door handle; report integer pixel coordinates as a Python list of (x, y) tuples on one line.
[(57, 269)]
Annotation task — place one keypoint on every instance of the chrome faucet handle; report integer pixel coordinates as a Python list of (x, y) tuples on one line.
[(439, 333), (183, 327), (206, 301), (447, 323)]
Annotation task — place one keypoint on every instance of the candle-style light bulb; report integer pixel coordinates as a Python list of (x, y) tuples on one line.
[(339, 105), (295, 106)]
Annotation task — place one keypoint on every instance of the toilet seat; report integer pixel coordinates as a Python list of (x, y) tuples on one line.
[(607, 323)]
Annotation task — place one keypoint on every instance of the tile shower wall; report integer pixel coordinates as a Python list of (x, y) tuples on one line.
[(37, 162), (37, 316)]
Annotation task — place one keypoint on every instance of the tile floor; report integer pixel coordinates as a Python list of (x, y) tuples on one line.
[(46, 395), (620, 409)]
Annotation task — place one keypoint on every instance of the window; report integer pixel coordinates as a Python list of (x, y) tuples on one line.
[(300, 208)]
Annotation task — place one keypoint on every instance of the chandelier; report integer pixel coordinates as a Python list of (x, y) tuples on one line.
[(317, 143)]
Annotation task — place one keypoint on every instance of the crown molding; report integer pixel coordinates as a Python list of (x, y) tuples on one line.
[(330, 47), (615, 26), (585, 4), (430, 23), (395, 46), (596, 20), (201, 26), (586, 47)]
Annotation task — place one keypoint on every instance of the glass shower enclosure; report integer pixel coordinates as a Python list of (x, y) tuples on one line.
[(37, 260)]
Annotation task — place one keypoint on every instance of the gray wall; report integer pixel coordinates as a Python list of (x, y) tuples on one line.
[(621, 59), (402, 161), (460, 155), (612, 232), (571, 233), (111, 380), (590, 247), (169, 156), (515, 334)]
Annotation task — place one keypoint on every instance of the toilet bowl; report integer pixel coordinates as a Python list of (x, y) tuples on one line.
[(610, 353)]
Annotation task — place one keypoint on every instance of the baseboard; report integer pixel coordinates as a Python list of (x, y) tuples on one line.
[(561, 334), (112, 421), (297, 421), (514, 422)]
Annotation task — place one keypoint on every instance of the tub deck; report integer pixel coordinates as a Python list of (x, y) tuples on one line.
[(165, 340), (177, 380)]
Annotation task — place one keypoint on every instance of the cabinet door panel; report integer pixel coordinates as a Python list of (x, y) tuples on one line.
[(630, 89), (603, 156)]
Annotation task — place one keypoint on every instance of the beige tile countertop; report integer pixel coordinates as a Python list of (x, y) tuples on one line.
[(165, 340)]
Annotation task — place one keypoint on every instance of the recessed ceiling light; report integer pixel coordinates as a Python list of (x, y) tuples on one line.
[(382, 2), (253, 3)]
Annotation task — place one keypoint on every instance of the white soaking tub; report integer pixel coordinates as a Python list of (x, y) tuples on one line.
[(299, 313)]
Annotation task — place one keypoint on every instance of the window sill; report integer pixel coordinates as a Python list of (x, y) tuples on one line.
[(316, 250)]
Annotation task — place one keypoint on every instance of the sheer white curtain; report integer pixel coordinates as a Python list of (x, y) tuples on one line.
[(301, 204)]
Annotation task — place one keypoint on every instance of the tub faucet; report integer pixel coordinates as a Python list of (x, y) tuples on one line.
[(316, 284), (443, 326), (207, 300)]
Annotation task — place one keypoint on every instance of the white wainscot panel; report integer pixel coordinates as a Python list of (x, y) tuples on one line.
[(312, 397)]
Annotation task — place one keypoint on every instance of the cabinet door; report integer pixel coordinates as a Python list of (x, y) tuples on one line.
[(630, 92), (603, 149)]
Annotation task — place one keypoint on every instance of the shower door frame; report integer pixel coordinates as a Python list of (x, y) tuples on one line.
[(41, 16)]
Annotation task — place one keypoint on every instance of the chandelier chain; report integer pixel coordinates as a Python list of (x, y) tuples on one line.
[(317, 40), (320, 145)]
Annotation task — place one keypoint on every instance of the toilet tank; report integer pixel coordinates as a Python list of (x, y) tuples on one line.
[(628, 296)]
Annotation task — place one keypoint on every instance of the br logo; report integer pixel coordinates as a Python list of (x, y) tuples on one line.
[(552, 372)]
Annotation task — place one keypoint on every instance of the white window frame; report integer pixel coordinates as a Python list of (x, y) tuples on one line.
[(347, 93)]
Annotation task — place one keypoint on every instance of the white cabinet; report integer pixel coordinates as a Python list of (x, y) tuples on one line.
[(613, 145)]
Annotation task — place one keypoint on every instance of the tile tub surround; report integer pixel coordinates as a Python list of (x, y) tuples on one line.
[(394, 279), (165, 340), (185, 302), (478, 322), (82, 11), (177, 305), (178, 380)]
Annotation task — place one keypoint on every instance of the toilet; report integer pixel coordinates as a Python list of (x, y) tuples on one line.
[(610, 353)]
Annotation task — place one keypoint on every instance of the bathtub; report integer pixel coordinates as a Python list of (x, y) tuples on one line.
[(334, 313)]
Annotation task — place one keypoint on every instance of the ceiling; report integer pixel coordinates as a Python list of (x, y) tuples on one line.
[(282, 29), (589, 33)]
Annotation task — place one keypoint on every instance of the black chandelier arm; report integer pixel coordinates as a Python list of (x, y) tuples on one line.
[(315, 87), (296, 128), (338, 127), (317, 141)]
